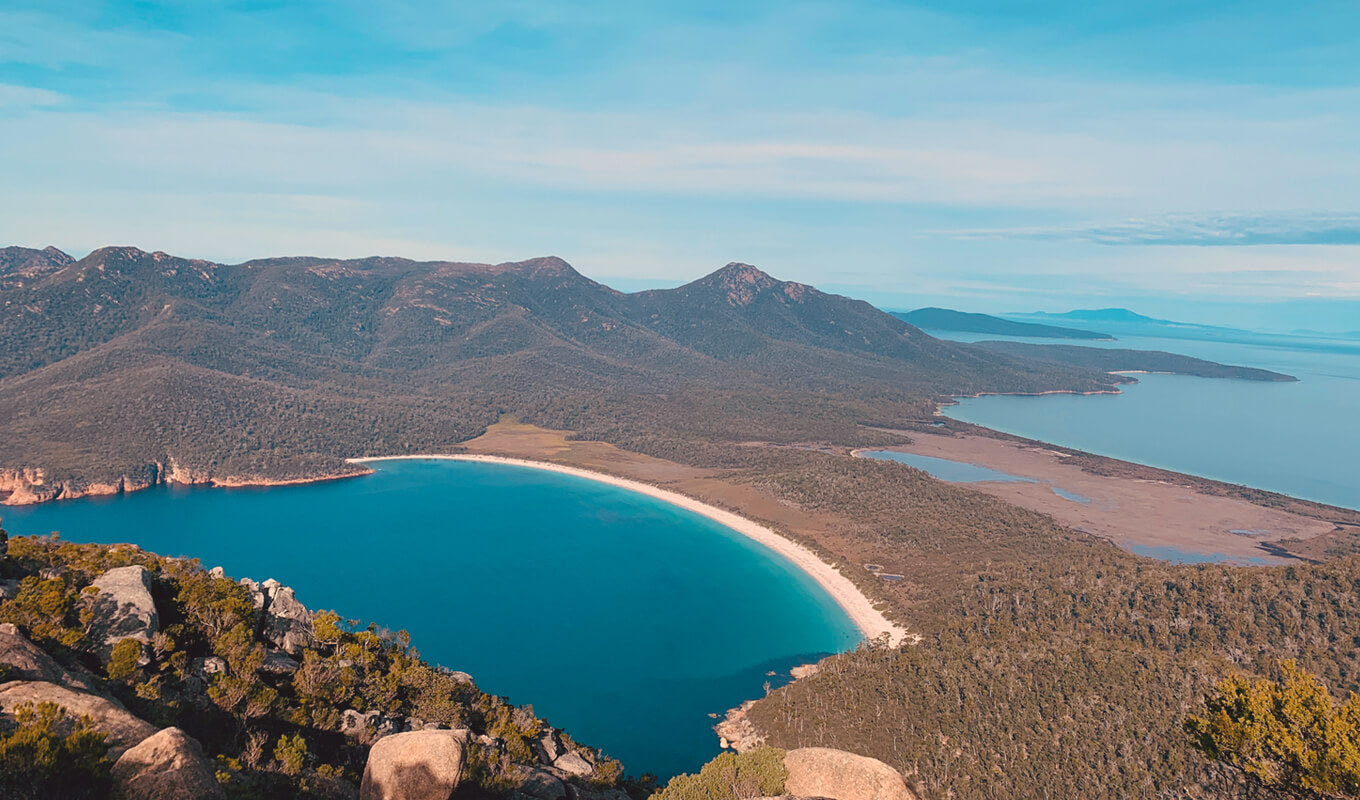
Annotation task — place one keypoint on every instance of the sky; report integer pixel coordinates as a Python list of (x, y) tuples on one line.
[(1197, 159)]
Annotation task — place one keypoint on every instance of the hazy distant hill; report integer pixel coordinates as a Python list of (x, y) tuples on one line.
[(944, 319), (1122, 320), (1110, 359), (127, 361)]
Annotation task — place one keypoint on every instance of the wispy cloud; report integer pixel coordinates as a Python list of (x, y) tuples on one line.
[(1213, 230)]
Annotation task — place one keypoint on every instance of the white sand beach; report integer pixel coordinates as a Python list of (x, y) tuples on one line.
[(870, 621)]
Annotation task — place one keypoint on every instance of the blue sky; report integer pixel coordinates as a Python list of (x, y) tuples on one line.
[(1179, 157)]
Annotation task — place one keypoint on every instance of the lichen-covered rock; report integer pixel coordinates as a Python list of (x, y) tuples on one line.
[(574, 764), (546, 747), (836, 774), (420, 765), (287, 623), (256, 593), (121, 727), (168, 765), (122, 608), (22, 660), (278, 663), (540, 784)]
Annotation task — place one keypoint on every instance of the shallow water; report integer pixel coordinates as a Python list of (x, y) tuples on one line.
[(1299, 438), (621, 618), (946, 470)]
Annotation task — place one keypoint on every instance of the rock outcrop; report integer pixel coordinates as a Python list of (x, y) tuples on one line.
[(420, 765), (27, 485), (540, 784), (122, 608), (286, 622), (168, 765), (574, 765), (21, 660), (737, 732), (122, 728), (836, 774)]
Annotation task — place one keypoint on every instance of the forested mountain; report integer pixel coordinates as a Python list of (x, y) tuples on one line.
[(125, 366)]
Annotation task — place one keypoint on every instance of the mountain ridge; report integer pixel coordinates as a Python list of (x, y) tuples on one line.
[(278, 367)]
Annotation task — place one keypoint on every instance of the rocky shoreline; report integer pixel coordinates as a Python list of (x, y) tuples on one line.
[(31, 485)]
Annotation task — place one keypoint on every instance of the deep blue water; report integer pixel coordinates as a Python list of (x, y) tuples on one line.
[(1296, 438), (621, 618)]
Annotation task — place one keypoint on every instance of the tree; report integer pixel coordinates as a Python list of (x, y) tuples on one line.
[(1288, 733)]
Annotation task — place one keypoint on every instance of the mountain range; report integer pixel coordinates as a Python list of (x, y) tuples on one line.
[(129, 365)]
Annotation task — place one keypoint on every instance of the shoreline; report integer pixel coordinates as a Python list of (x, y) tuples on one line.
[(17, 490), (857, 606)]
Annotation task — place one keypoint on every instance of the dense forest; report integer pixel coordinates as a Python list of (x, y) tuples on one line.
[(1054, 665)]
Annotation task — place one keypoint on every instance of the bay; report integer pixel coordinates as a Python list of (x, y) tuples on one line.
[(621, 618)]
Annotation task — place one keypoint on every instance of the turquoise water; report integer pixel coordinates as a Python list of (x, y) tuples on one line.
[(621, 618), (946, 470), (1296, 438)]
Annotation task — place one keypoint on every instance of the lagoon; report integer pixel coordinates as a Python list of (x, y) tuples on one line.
[(622, 618), (1299, 439)]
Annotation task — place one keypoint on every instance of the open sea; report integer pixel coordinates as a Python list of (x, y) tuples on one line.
[(1300, 439), (621, 618)]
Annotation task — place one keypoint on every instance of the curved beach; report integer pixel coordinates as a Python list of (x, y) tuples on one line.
[(859, 608)]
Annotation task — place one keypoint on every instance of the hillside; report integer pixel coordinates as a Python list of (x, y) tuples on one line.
[(944, 319), (1115, 359), (126, 368)]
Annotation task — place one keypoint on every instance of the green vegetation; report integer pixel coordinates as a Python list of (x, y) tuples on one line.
[(732, 776), (1053, 664), (1286, 733), (132, 364), (48, 754), (274, 733)]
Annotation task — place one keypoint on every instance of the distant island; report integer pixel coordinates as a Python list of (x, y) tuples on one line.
[(1120, 360), (945, 319)]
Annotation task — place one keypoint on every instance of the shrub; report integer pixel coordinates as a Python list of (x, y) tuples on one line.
[(49, 754), (732, 776)]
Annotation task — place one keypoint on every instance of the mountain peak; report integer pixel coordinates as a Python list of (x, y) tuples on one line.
[(57, 255), (541, 267), (740, 283), (743, 273)]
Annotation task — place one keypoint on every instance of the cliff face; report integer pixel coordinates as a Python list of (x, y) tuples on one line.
[(29, 485)]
